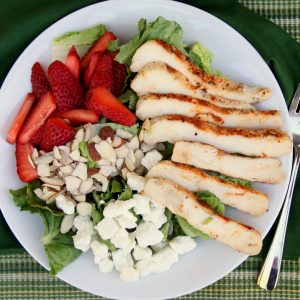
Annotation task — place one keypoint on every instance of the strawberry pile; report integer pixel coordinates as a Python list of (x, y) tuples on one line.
[(71, 93)]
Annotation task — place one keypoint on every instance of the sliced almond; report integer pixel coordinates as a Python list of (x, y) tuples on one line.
[(56, 163), (160, 147), (31, 161), (95, 139), (67, 223), (103, 162), (92, 171), (87, 133), (117, 142), (129, 164), (74, 145), (131, 156), (65, 158), (79, 135), (134, 143), (52, 198), (123, 134), (80, 171), (53, 169), (141, 170), (121, 151), (147, 147), (75, 155), (101, 179), (66, 170), (52, 187), (109, 171), (80, 198), (86, 186), (48, 193), (106, 151), (94, 154), (56, 153), (139, 154), (120, 163), (107, 132), (124, 172), (44, 160), (72, 183), (53, 180), (39, 193)]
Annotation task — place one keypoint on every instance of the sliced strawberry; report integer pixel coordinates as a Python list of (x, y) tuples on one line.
[(37, 116), (91, 67), (37, 137), (103, 73), (25, 167), (39, 82), (73, 62), (80, 116), (56, 132), (66, 88), (120, 74), (106, 104), (20, 118), (99, 45)]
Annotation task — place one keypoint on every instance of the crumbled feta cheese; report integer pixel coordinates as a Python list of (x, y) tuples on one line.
[(136, 182), (107, 228), (43, 170), (86, 186), (156, 216), (67, 223), (123, 134), (131, 244), (118, 208), (125, 222), (66, 205), (109, 171), (121, 259), (83, 223), (80, 171), (158, 246), (106, 151), (82, 240), (121, 238), (84, 209), (151, 159), (147, 234), (182, 244), (163, 259), (134, 143), (144, 267), (106, 265), (72, 183), (142, 204), (122, 151), (129, 274), (100, 251), (140, 253)]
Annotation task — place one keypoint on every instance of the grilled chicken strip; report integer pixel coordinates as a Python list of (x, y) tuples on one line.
[(251, 142), (185, 204), (262, 169), (157, 50), (154, 105), (157, 77), (240, 197)]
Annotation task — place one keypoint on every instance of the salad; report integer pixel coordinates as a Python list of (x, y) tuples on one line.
[(122, 148)]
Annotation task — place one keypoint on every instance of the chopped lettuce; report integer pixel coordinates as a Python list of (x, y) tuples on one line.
[(239, 181), (191, 231), (167, 153), (96, 215), (168, 31), (129, 97), (85, 153), (165, 229), (82, 40), (212, 201), (58, 247), (131, 129)]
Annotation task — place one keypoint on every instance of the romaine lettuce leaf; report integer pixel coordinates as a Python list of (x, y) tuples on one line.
[(168, 31), (85, 153), (212, 201), (191, 231), (129, 97), (239, 181)]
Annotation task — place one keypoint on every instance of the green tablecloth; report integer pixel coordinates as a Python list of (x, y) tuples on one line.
[(22, 278)]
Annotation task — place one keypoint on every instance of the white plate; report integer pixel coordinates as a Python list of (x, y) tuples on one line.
[(234, 56)]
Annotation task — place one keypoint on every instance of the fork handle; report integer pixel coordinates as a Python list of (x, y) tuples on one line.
[(269, 273)]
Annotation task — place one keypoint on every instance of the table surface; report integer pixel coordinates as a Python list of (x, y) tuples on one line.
[(23, 278)]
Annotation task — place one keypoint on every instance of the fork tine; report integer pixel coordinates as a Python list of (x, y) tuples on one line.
[(295, 100)]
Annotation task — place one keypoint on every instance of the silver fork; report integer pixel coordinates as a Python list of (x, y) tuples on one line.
[(269, 273)]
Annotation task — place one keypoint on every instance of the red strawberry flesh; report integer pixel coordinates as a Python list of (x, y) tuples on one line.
[(73, 62), (39, 82), (80, 117)]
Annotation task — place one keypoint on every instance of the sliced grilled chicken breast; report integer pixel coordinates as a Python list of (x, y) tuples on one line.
[(262, 169), (157, 50), (242, 198), (154, 105), (252, 142), (157, 77), (185, 204)]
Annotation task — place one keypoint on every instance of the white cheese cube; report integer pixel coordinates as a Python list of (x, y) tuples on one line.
[(156, 216), (142, 204), (151, 159), (84, 209), (66, 205), (182, 244), (107, 228), (121, 238), (136, 182), (140, 253), (100, 251), (129, 274), (147, 234), (106, 265), (121, 259), (118, 208)]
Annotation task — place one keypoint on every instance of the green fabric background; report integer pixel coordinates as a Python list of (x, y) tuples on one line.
[(26, 19)]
